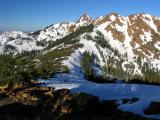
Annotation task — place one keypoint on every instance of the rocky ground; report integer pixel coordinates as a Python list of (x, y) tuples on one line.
[(44, 103)]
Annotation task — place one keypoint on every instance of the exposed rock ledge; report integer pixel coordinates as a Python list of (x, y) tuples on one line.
[(43, 103)]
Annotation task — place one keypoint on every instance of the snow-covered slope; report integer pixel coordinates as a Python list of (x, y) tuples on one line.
[(16, 42), (130, 42), (20, 41), (116, 91), (135, 37)]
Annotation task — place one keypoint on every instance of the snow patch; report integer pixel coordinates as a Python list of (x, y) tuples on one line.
[(150, 22), (76, 83)]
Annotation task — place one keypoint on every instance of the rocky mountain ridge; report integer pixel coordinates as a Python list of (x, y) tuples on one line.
[(129, 43)]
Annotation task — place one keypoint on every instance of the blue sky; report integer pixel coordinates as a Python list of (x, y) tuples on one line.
[(30, 15)]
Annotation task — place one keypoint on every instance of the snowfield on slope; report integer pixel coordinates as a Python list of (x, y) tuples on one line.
[(108, 91)]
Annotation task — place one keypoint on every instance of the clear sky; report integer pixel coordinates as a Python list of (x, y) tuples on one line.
[(31, 15)]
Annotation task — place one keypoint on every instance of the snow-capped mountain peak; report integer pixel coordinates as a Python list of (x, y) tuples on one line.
[(135, 37), (85, 18)]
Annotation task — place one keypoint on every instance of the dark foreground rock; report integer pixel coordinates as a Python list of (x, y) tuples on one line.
[(130, 101), (153, 108), (19, 111), (38, 103)]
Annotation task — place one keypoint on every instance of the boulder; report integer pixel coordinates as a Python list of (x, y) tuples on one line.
[(153, 108), (83, 102)]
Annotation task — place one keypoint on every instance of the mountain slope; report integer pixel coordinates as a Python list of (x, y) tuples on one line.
[(123, 47)]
